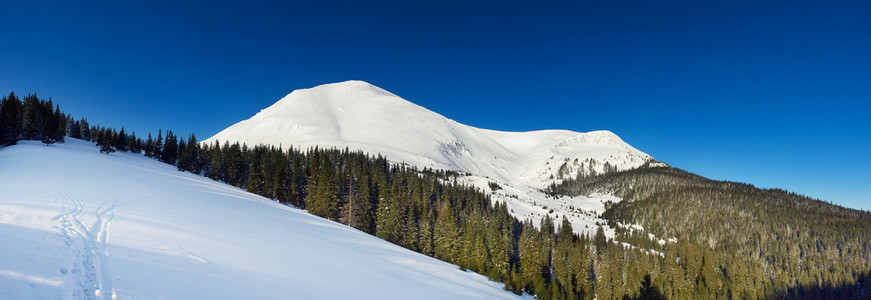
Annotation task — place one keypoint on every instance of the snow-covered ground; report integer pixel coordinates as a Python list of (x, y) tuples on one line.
[(78, 224), (361, 116)]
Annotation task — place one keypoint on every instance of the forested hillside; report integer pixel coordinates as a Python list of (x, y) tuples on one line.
[(752, 241)]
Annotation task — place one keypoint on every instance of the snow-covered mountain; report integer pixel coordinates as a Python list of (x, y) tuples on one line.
[(361, 116), (78, 224)]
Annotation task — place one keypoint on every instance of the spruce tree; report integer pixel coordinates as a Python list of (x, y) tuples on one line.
[(531, 263), (350, 211), (366, 211), (104, 141), (121, 141), (32, 121), (600, 241), (73, 128), (11, 112), (194, 159), (170, 149), (427, 233), (255, 169), (447, 235), (149, 146), (158, 145), (389, 215), (297, 181), (85, 130), (60, 125), (323, 202)]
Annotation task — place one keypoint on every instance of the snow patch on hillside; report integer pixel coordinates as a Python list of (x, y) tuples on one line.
[(77, 224)]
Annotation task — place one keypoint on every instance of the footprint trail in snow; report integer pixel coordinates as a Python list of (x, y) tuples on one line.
[(93, 278)]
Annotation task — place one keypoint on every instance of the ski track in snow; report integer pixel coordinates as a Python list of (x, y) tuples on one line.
[(93, 278), (59, 205)]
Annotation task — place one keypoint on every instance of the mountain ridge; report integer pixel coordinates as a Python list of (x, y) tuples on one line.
[(355, 113), (360, 116)]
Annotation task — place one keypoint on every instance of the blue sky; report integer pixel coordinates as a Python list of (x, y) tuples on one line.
[(774, 93)]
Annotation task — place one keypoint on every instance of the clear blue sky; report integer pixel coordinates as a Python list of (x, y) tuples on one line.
[(774, 93)]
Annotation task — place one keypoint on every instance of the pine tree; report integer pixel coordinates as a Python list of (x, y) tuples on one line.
[(389, 220), (563, 264), (447, 235), (134, 144), (232, 163), (158, 145), (170, 149), (531, 263), (499, 242), (323, 202), (120, 142), (281, 182), (85, 130), (600, 241), (188, 155), (54, 127), (350, 211), (255, 172), (297, 181), (11, 110), (104, 141), (366, 210), (49, 124), (73, 128), (32, 122), (427, 233), (149, 146)]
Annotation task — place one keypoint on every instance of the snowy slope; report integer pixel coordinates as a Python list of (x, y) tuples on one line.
[(77, 224), (361, 116)]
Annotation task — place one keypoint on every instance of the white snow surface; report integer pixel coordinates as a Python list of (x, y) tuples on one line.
[(78, 224), (361, 116)]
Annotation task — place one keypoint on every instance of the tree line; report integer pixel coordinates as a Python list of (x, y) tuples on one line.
[(31, 118)]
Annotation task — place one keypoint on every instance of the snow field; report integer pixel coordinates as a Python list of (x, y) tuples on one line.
[(78, 224)]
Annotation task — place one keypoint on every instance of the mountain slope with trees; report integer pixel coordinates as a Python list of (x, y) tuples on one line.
[(752, 241), (360, 116), (730, 240)]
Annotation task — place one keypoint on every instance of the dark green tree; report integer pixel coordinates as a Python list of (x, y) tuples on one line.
[(322, 197), (447, 235), (120, 141), (600, 241), (11, 110)]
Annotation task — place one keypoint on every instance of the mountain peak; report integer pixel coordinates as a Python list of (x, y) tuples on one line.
[(360, 116), (347, 83), (354, 89)]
